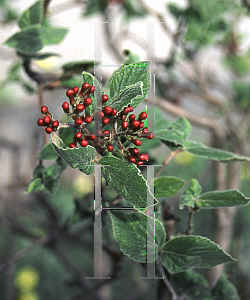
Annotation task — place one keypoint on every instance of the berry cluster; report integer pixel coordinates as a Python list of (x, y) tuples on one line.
[(48, 122), (124, 124)]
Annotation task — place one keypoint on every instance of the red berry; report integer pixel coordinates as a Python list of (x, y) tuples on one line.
[(88, 119), (40, 122), (131, 108), (87, 101), (46, 120), (78, 135), (92, 89), (44, 109), (100, 114), (65, 107), (126, 110), (70, 93), (99, 132), (105, 121), (142, 156), (132, 117), (149, 135), (105, 98), (85, 86), (113, 112), (136, 142), (143, 116), (84, 143), (91, 137), (134, 150), (110, 147), (145, 130), (132, 159), (124, 125), (55, 124), (107, 110), (75, 89), (123, 117), (135, 124), (141, 125), (78, 121), (139, 163), (72, 145), (48, 129), (80, 107), (106, 132)]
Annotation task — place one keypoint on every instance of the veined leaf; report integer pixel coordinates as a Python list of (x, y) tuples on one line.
[(80, 158), (137, 241), (187, 252), (167, 186)]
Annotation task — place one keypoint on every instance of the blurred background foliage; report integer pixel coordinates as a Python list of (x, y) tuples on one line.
[(46, 241)]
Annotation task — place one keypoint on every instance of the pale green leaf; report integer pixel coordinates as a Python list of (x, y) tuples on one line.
[(33, 15), (128, 75), (34, 186), (48, 152), (53, 35), (80, 158), (167, 186), (125, 179)]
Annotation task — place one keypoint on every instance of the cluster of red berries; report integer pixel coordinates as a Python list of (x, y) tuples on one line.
[(48, 122), (79, 101), (132, 128)]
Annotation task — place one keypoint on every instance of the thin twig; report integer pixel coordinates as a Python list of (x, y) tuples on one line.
[(24, 252), (165, 280), (171, 155)]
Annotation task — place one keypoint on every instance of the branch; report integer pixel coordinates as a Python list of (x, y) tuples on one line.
[(168, 285)]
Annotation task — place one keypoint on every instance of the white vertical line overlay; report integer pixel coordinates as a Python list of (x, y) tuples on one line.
[(98, 187)]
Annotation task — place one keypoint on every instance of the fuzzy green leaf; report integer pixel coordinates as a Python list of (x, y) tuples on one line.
[(192, 285), (128, 75), (190, 194), (131, 231), (27, 41), (167, 186), (176, 133), (212, 153), (126, 96), (34, 186), (187, 252), (53, 35), (80, 158), (48, 152), (125, 179), (33, 15), (224, 290), (217, 199)]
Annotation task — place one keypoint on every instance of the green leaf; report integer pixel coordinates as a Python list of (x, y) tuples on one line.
[(125, 179), (48, 152), (53, 35), (167, 186), (72, 81), (89, 78), (187, 252), (51, 185), (81, 158), (190, 194), (176, 133), (52, 172), (212, 153), (28, 41), (33, 15), (192, 285), (130, 230), (34, 186), (128, 75), (126, 96), (217, 199), (224, 290)]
